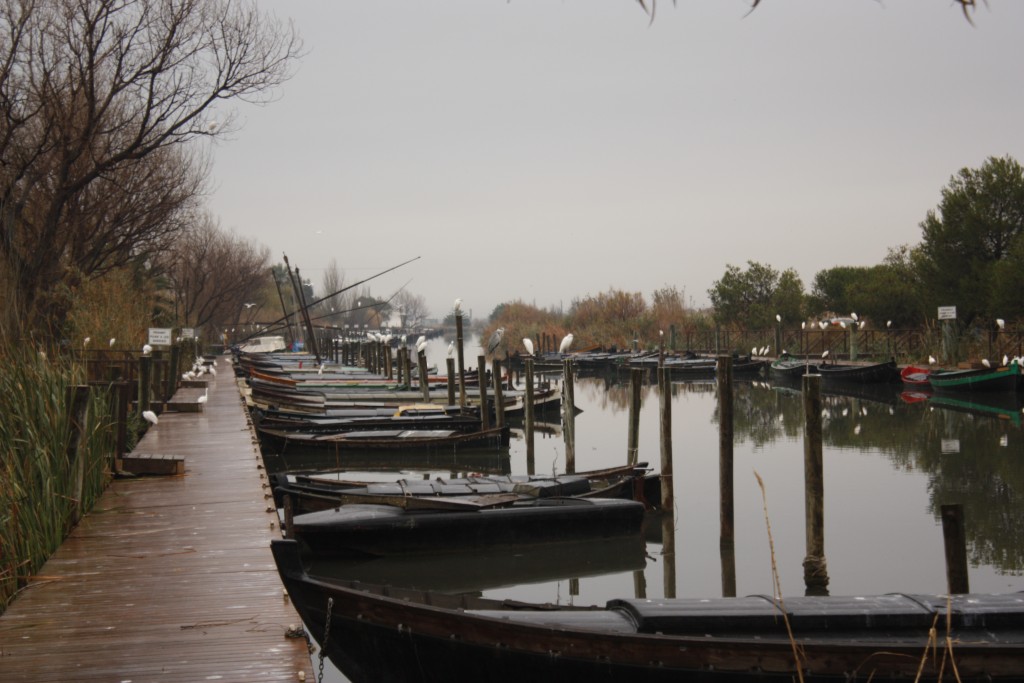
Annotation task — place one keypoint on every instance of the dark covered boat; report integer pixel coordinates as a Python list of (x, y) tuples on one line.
[(788, 367), (312, 491), (874, 373), (429, 525), (390, 634), (398, 440)]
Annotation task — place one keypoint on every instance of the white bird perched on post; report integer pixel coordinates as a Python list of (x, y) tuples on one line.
[(854, 316), (495, 341), (147, 349), (566, 343), (112, 340), (931, 360), (528, 345), (421, 346), (451, 349), (1001, 323), (150, 417), (458, 307), (822, 324), (778, 317), (984, 361), (85, 342), (422, 340)]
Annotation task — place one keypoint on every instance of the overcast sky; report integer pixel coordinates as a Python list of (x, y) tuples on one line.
[(546, 150)]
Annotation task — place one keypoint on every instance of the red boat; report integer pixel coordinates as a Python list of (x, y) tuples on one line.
[(916, 376)]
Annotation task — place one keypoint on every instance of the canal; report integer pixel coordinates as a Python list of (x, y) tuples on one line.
[(891, 459)]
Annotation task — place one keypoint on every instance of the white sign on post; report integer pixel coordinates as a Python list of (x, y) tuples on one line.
[(188, 333), (160, 336), (947, 312)]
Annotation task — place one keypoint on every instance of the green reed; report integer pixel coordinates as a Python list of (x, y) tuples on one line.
[(37, 474)]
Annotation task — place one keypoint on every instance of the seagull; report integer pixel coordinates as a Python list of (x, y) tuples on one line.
[(249, 305), (566, 343), (528, 345), (495, 341), (150, 416)]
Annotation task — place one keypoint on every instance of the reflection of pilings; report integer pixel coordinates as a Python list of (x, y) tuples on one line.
[(955, 539), (528, 417), (815, 568), (568, 416), (636, 380), (727, 529), (668, 551)]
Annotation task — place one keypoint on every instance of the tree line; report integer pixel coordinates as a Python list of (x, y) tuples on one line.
[(971, 257)]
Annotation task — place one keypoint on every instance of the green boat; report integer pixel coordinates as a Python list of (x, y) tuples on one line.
[(1006, 378)]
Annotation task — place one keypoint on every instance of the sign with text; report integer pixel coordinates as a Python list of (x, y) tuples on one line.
[(160, 336), (188, 333), (947, 312)]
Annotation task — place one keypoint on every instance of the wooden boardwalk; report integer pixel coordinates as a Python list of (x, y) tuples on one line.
[(168, 578)]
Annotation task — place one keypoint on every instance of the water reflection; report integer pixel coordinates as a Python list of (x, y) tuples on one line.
[(891, 460)]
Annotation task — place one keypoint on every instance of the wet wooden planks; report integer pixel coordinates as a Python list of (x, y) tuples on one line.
[(168, 578)]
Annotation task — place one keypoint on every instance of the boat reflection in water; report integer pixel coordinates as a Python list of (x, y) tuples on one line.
[(492, 568)]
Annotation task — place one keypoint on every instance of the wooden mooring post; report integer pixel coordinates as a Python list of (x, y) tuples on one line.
[(145, 380), (815, 568), (462, 364), (450, 363), (568, 416), (485, 411), (665, 397), (78, 403), (421, 360), (726, 509), (499, 400), (528, 418)]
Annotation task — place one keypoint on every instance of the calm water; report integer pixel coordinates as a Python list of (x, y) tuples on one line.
[(890, 462)]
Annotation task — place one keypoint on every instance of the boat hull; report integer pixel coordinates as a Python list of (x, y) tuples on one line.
[(396, 636)]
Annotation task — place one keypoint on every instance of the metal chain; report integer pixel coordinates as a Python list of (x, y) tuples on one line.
[(323, 643)]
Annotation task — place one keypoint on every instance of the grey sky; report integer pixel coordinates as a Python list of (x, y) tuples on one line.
[(544, 151)]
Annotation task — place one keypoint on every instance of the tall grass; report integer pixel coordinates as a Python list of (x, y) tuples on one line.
[(37, 476)]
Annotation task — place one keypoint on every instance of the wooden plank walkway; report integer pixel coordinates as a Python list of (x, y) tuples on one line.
[(168, 578)]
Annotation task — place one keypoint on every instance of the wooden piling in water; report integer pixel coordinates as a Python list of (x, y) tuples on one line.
[(954, 537), (421, 360), (462, 364), (636, 379), (499, 403), (665, 398), (568, 416), (815, 567), (407, 362), (726, 509), (485, 412), (528, 418), (450, 363)]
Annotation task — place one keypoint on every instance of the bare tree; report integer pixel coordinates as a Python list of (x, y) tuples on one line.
[(412, 307), (99, 99), (213, 274)]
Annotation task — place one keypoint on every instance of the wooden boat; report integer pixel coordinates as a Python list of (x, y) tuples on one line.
[(788, 367), (875, 373), (399, 440), (385, 633), (311, 491), (915, 376), (429, 525), (1006, 378), (409, 417)]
